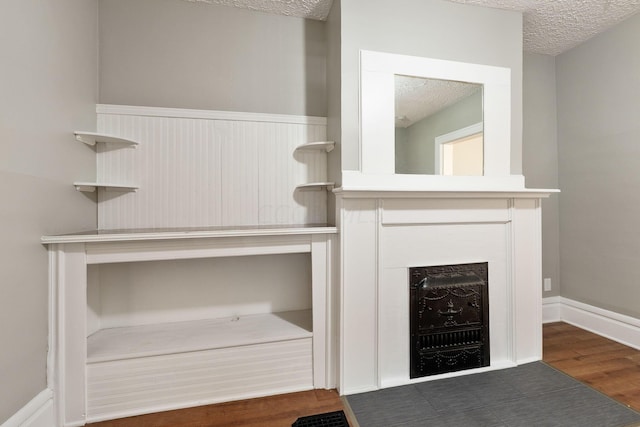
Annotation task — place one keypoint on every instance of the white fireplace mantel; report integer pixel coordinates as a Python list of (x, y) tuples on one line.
[(384, 231)]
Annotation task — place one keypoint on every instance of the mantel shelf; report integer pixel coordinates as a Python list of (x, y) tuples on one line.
[(320, 145), (91, 138), (315, 186), (90, 187)]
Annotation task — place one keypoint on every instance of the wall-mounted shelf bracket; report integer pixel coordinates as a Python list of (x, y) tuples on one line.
[(316, 186), (90, 187), (320, 145), (91, 138)]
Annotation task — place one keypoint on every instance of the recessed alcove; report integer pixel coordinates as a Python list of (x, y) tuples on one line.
[(163, 321), (142, 293)]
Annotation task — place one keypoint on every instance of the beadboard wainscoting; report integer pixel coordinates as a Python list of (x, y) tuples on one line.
[(198, 168)]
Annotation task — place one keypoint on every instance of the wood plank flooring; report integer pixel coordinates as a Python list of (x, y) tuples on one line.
[(274, 411), (605, 365)]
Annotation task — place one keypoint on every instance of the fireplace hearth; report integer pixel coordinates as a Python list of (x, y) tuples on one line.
[(449, 318)]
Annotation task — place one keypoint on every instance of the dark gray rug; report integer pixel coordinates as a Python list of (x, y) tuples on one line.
[(532, 395)]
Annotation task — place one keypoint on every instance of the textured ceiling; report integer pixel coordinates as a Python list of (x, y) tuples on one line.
[(550, 26), (311, 9), (554, 26)]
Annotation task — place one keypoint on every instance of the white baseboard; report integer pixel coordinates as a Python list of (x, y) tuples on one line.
[(37, 413), (609, 324), (551, 309)]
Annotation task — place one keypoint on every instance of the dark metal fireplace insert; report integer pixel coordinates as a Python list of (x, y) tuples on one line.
[(449, 318)]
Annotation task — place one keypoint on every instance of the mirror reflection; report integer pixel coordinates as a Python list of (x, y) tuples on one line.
[(438, 127)]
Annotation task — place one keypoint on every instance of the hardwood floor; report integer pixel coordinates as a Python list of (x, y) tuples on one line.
[(605, 365), (274, 411)]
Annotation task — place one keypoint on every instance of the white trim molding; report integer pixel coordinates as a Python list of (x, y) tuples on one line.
[(609, 324), (377, 94), (37, 413), (452, 136), (130, 110), (551, 309)]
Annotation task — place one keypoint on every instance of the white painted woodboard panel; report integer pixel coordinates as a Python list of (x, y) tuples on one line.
[(240, 172), (527, 270), (359, 294), (102, 253), (320, 293), (71, 315), (136, 386), (423, 211), (198, 172)]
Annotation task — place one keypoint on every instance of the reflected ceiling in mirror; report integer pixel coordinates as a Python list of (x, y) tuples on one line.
[(426, 109), (417, 98)]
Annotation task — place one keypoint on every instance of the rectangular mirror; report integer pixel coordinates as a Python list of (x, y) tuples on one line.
[(438, 126), (391, 157)]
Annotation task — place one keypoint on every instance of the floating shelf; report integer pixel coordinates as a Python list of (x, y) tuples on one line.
[(91, 138), (90, 187), (315, 186), (321, 145)]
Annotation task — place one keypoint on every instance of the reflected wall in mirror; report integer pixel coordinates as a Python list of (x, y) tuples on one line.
[(438, 126)]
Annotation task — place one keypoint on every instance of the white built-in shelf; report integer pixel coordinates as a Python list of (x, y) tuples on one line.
[(90, 187), (314, 186), (180, 337), (135, 235), (91, 138), (320, 145), (317, 146)]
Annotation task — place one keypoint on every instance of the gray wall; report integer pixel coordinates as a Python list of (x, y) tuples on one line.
[(428, 28), (599, 162), (540, 154), (48, 90), (419, 147), (169, 53)]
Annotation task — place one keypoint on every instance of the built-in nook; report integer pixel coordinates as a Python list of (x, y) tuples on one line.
[(152, 321), (155, 326), (449, 318)]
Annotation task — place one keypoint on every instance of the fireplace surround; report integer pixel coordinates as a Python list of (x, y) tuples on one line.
[(383, 233)]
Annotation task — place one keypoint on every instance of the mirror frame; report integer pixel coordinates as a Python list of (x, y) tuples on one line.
[(377, 110)]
